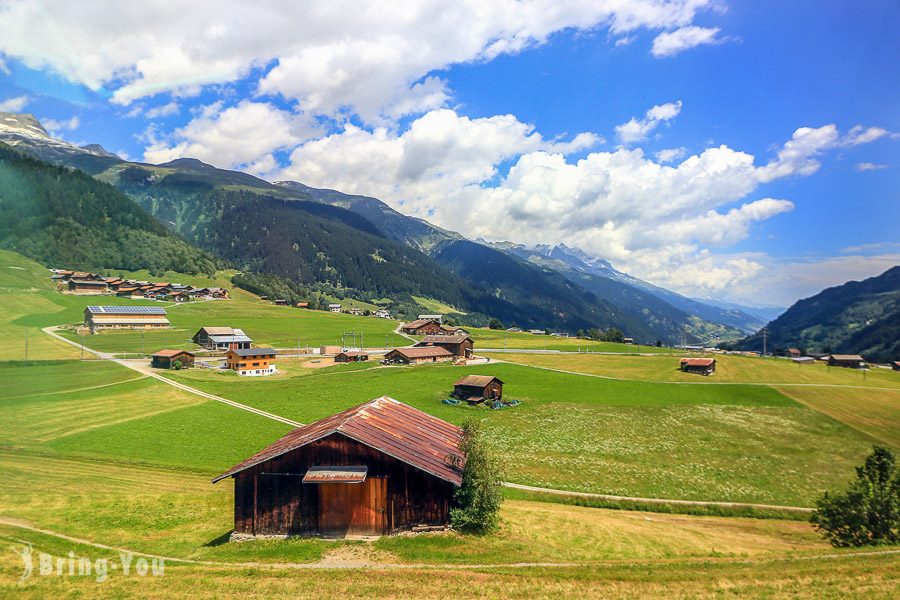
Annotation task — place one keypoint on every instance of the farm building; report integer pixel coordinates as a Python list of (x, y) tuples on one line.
[(628, 341), (335, 308), (252, 362), (478, 388), (166, 359), (418, 355), (453, 330), (794, 352), (848, 361), (221, 338), (461, 346), (356, 311), (896, 365), (87, 286), (303, 305), (438, 318), (422, 327), (351, 356), (329, 350), (804, 360), (702, 366), (383, 313), (281, 302), (378, 468), (124, 317)]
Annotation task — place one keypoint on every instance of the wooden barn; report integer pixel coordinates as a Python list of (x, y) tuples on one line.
[(794, 353), (124, 317), (378, 468), (415, 356), (351, 356), (896, 365), (478, 388), (848, 361), (222, 338), (252, 362), (701, 366), (165, 359), (422, 327), (461, 346), (87, 287)]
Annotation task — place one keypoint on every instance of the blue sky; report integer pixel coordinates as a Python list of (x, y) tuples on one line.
[(538, 122)]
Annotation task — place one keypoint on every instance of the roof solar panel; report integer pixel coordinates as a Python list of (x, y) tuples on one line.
[(126, 310)]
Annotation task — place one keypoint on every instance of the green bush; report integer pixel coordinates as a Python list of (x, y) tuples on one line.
[(477, 500), (868, 512)]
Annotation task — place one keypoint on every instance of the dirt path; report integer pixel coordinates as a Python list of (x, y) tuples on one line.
[(698, 503)]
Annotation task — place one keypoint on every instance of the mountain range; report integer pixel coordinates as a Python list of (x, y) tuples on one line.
[(359, 245)]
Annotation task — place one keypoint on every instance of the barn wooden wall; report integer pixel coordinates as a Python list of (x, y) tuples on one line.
[(281, 504)]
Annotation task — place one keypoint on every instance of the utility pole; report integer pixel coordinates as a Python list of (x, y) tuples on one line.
[(765, 333)]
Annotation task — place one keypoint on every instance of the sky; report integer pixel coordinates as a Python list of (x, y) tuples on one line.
[(740, 150)]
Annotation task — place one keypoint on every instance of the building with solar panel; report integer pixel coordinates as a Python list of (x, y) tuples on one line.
[(98, 318)]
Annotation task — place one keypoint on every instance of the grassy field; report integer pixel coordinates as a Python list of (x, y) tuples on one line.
[(729, 369), (875, 412), (738, 443), (500, 339)]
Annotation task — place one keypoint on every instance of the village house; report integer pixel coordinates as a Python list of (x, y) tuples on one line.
[(281, 302), (335, 308), (422, 327), (453, 330), (794, 353), (847, 361), (438, 318), (87, 287), (124, 317), (251, 362), (351, 356), (461, 346), (478, 388), (701, 366), (356, 311), (383, 313), (804, 360), (303, 305), (166, 359), (629, 341), (418, 355), (379, 468), (222, 338)]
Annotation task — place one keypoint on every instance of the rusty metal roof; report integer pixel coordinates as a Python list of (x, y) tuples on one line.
[(477, 380), (319, 474), (444, 339), (698, 362), (419, 323), (387, 425), (848, 357), (170, 353), (423, 351)]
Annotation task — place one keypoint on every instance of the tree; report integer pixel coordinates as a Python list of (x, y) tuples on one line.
[(177, 365), (868, 512), (495, 324), (477, 500)]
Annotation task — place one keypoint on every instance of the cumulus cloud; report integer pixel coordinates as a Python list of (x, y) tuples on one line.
[(56, 126), (670, 154), (240, 136), (670, 43), (330, 57), (637, 130), (670, 224), (165, 110), (15, 104)]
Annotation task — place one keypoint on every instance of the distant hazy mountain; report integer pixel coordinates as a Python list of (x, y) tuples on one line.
[(858, 317)]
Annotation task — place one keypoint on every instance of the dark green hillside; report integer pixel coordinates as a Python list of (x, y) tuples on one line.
[(59, 216), (859, 317)]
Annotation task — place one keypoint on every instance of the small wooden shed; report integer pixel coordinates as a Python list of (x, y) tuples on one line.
[(848, 361), (478, 388), (378, 468), (702, 366), (165, 359), (351, 356)]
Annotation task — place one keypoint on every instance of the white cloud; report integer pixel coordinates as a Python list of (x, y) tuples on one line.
[(637, 130), (4, 68), (55, 126), (243, 135), (861, 135), (670, 154), (165, 110), (670, 224), (331, 57), (867, 166), (670, 43), (15, 104)]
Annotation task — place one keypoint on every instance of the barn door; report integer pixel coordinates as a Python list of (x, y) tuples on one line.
[(353, 508)]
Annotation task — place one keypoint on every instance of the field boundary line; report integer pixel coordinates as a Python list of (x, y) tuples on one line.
[(51, 331), (699, 503), (363, 565), (84, 389)]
